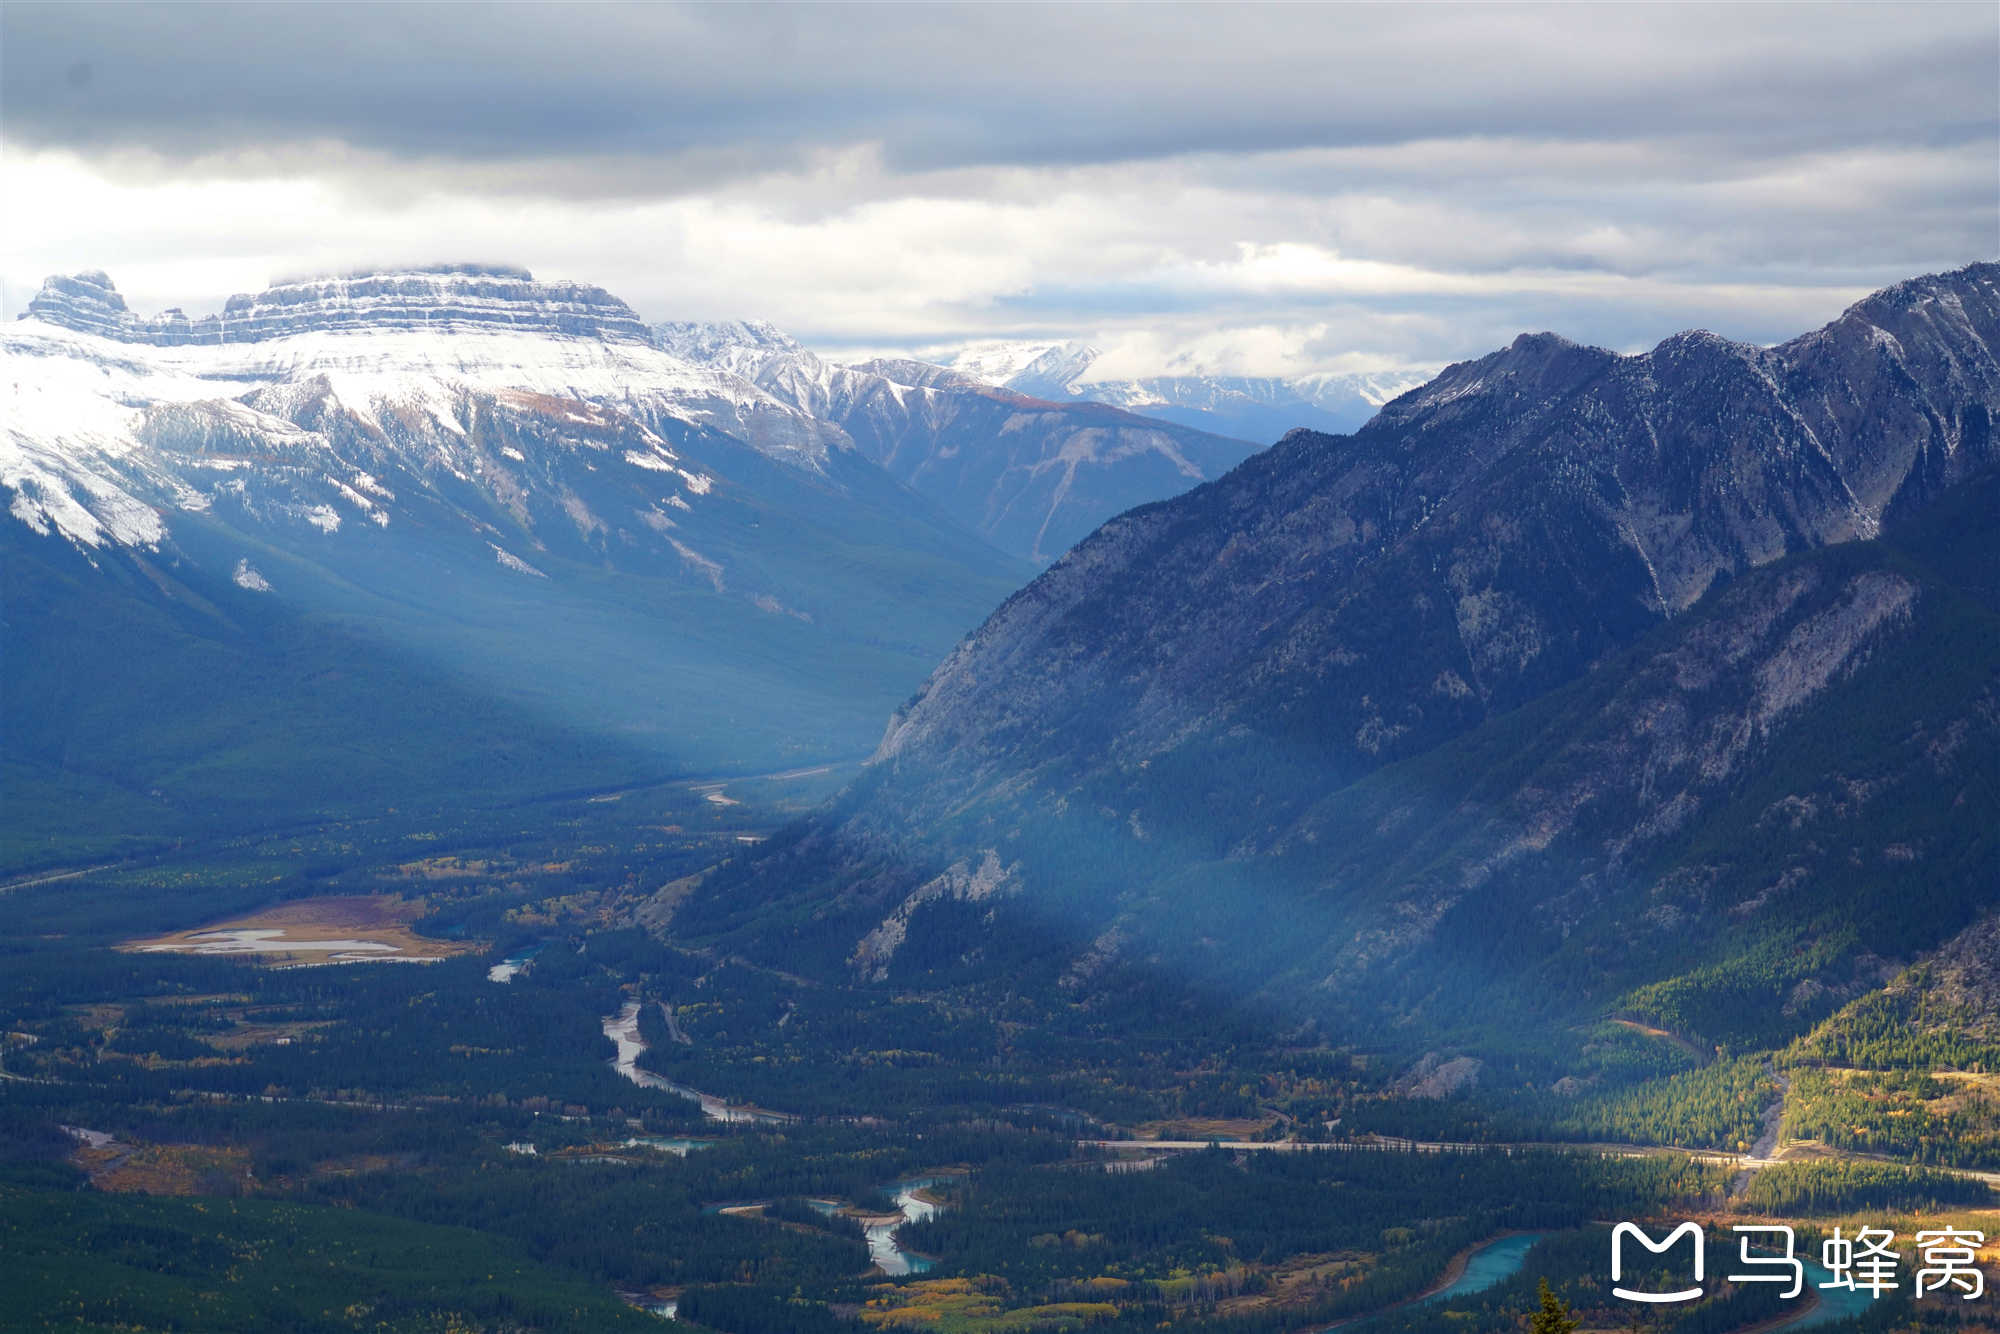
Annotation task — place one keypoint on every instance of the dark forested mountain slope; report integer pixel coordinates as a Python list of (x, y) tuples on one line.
[(1573, 680)]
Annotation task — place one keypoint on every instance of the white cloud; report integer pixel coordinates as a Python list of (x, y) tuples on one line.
[(1295, 189)]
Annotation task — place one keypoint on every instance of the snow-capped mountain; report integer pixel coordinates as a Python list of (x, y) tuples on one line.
[(1259, 408), (504, 478), (737, 346), (442, 298), (1045, 370), (400, 356), (1030, 475)]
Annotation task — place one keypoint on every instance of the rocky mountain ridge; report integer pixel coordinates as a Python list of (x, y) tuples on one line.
[(1515, 516), (1030, 475), (1381, 691)]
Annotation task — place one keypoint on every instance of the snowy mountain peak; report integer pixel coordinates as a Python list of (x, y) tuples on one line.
[(439, 299), (705, 341), (1014, 365), (1057, 372)]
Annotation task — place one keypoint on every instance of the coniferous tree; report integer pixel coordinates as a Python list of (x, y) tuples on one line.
[(1554, 1317)]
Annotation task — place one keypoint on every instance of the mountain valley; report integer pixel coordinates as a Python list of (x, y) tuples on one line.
[(999, 669), (460, 477), (1571, 795)]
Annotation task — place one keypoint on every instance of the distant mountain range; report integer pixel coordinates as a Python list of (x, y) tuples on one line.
[(1031, 474), (1259, 408), (1572, 684)]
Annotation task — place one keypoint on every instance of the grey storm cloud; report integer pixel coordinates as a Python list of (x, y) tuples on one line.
[(945, 86)]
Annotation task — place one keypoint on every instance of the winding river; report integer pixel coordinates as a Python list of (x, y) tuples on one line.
[(890, 1258), (1486, 1266), (1833, 1304), (623, 1029)]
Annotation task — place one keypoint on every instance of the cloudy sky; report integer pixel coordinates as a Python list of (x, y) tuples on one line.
[(1221, 189)]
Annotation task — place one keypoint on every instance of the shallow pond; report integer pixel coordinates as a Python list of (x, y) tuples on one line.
[(1493, 1263)]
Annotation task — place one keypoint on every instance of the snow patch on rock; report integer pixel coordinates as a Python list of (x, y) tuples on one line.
[(513, 562)]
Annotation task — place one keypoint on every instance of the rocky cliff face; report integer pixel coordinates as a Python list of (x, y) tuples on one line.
[(440, 299), (1364, 716)]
